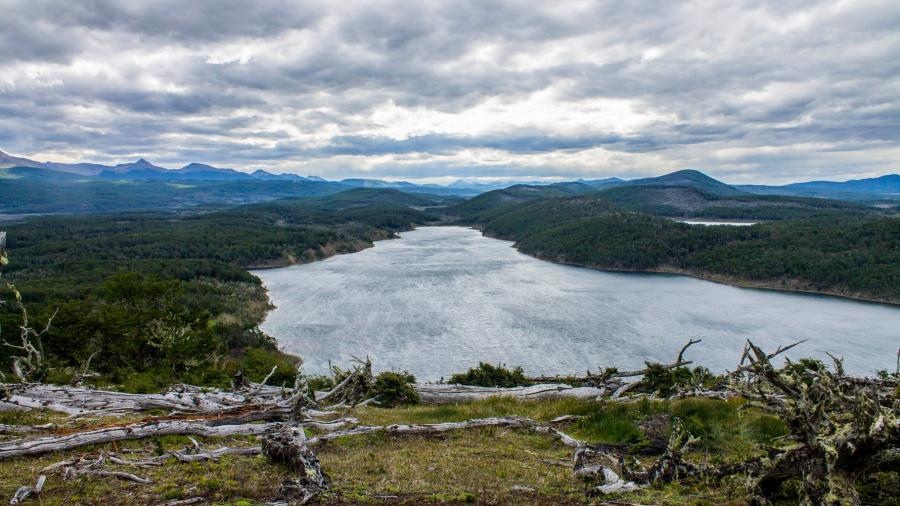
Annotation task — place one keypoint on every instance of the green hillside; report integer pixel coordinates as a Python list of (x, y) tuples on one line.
[(688, 178), (117, 279), (691, 202), (477, 207)]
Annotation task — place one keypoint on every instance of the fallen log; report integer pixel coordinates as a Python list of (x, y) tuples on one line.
[(76, 401), (439, 393), (215, 454), (267, 403), (135, 431), (425, 429), (25, 429)]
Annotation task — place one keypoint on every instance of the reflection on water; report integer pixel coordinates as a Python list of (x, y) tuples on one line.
[(440, 299)]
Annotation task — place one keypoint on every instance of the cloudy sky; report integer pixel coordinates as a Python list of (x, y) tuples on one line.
[(772, 92)]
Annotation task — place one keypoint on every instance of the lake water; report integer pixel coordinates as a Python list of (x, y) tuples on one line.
[(715, 223), (440, 299)]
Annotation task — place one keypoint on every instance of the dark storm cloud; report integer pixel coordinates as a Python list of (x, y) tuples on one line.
[(758, 89)]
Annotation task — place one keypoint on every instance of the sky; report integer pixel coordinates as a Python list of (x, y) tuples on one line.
[(747, 91)]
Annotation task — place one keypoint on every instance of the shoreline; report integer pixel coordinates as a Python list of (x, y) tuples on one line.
[(288, 263), (281, 265), (714, 278)]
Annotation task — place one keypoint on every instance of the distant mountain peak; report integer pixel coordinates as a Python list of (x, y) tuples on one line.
[(140, 165), (194, 166), (688, 177)]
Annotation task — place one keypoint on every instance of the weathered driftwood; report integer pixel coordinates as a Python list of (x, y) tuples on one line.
[(135, 431), (184, 502), (25, 429), (843, 427), (268, 402), (73, 400), (73, 472), (562, 437), (331, 425), (439, 393), (425, 429), (26, 491), (212, 455), (288, 446)]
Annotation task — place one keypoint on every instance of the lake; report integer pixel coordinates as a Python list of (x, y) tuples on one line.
[(715, 223), (440, 299)]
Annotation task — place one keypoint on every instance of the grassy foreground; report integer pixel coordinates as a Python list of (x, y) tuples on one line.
[(493, 466), (482, 466)]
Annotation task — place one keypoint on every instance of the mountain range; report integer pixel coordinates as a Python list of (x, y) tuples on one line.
[(881, 188)]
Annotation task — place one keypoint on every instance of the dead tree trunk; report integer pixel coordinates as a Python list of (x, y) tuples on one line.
[(843, 428), (288, 447), (434, 393), (65, 442)]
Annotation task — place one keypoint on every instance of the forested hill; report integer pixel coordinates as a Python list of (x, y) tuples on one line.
[(490, 202), (688, 178), (843, 253), (696, 202), (165, 297), (682, 194)]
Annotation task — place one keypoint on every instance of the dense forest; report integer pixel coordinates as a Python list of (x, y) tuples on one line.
[(148, 299), (848, 254)]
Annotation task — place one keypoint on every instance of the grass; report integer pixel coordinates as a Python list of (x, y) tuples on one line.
[(226, 481), (470, 466), (29, 417), (486, 466), (717, 422)]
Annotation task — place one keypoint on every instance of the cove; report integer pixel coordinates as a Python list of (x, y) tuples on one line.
[(440, 299)]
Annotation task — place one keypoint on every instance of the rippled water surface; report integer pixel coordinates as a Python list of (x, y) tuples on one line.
[(440, 299)]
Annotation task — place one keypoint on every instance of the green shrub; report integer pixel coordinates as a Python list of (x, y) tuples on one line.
[(257, 363), (613, 423), (319, 383), (666, 382), (487, 375), (765, 429), (145, 382), (395, 388)]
